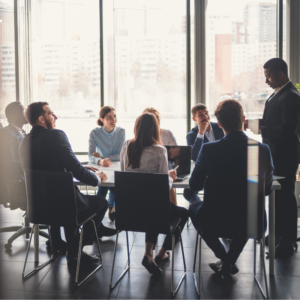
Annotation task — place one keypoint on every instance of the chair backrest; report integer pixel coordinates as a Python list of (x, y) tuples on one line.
[(51, 198), (142, 202), (233, 207)]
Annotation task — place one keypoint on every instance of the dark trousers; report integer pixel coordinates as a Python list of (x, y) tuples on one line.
[(176, 212), (286, 214), (213, 242), (98, 205)]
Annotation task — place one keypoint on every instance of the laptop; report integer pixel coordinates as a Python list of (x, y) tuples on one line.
[(180, 156)]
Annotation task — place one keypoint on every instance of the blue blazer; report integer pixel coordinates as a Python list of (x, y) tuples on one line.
[(197, 143), (228, 158), (50, 150), (10, 166)]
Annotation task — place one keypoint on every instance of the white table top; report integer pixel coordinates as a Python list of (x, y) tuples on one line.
[(178, 184)]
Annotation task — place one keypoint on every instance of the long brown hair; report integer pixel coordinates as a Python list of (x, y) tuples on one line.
[(146, 133), (103, 112)]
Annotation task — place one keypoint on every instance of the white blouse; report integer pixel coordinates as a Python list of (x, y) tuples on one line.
[(167, 137), (154, 159)]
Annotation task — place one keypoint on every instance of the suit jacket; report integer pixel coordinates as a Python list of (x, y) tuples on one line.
[(10, 167), (50, 150), (197, 143), (228, 158), (281, 125)]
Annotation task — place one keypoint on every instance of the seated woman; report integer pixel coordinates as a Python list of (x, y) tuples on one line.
[(144, 153), (167, 139), (105, 144)]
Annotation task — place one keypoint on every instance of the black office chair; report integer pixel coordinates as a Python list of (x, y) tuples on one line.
[(51, 200), (247, 217), (143, 205), (13, 196)]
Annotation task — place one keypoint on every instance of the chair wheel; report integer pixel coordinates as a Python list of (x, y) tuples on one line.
[(8, 246)]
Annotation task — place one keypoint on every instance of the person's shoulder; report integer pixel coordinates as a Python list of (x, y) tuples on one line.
[(159, 148), (120, 129), (193, 131), (96, 131), (55, 134)]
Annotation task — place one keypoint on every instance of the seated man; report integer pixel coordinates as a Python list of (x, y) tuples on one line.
[(48, 149), (11, 171), (227, 158), (204, 132), (10, 166)]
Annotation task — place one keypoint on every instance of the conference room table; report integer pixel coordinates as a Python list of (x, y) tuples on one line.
[(110, 182)]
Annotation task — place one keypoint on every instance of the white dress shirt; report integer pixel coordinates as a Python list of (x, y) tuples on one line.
[(209, 135), (22, 131), (154, 159), (276, 91)]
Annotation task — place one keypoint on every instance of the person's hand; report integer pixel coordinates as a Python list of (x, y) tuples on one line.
[(105, 162), (96, 154), (174, 152), (173, 174), (91, 168), (202, 127), (103, 176)]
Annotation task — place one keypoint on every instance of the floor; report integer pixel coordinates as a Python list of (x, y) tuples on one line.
[(56, 281)]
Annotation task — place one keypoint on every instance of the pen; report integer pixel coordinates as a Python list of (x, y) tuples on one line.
[(176, 167)]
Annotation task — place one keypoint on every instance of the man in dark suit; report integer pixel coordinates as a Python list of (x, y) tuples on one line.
[(204, 132), (48, 149), (280, 129), (227, 158)]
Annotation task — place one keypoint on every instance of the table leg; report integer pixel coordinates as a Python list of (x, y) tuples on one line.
[(36, 243), (271, 232)]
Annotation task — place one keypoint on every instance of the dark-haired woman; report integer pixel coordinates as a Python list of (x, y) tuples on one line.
[(144, 153), (105, 144)]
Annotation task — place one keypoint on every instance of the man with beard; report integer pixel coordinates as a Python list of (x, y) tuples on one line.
[(204, 132), (48, 149), (280, 130)]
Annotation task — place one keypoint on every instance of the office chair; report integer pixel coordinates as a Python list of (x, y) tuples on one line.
[(143, 205), (51, 200), (13, 196), (247, 218)]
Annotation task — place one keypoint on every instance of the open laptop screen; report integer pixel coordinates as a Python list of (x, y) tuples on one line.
[(180, 156)]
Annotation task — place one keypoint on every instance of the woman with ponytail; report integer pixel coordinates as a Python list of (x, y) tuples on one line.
[(105, 144), (144, 153)]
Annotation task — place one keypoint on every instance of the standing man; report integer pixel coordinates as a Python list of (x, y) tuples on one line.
[(280, 130), (204, 132)]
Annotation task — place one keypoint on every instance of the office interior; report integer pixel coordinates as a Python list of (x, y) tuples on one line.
[(79, 55)]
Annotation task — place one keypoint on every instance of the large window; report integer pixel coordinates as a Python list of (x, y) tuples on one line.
[(66, 64), (7, 57), (238, 42), (145, 61)]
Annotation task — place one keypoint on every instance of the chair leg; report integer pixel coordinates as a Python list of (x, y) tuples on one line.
[(40, 266), (194, 266), (189, 222), (173, 292), (113, 285), (79, 257), (265, 295)]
